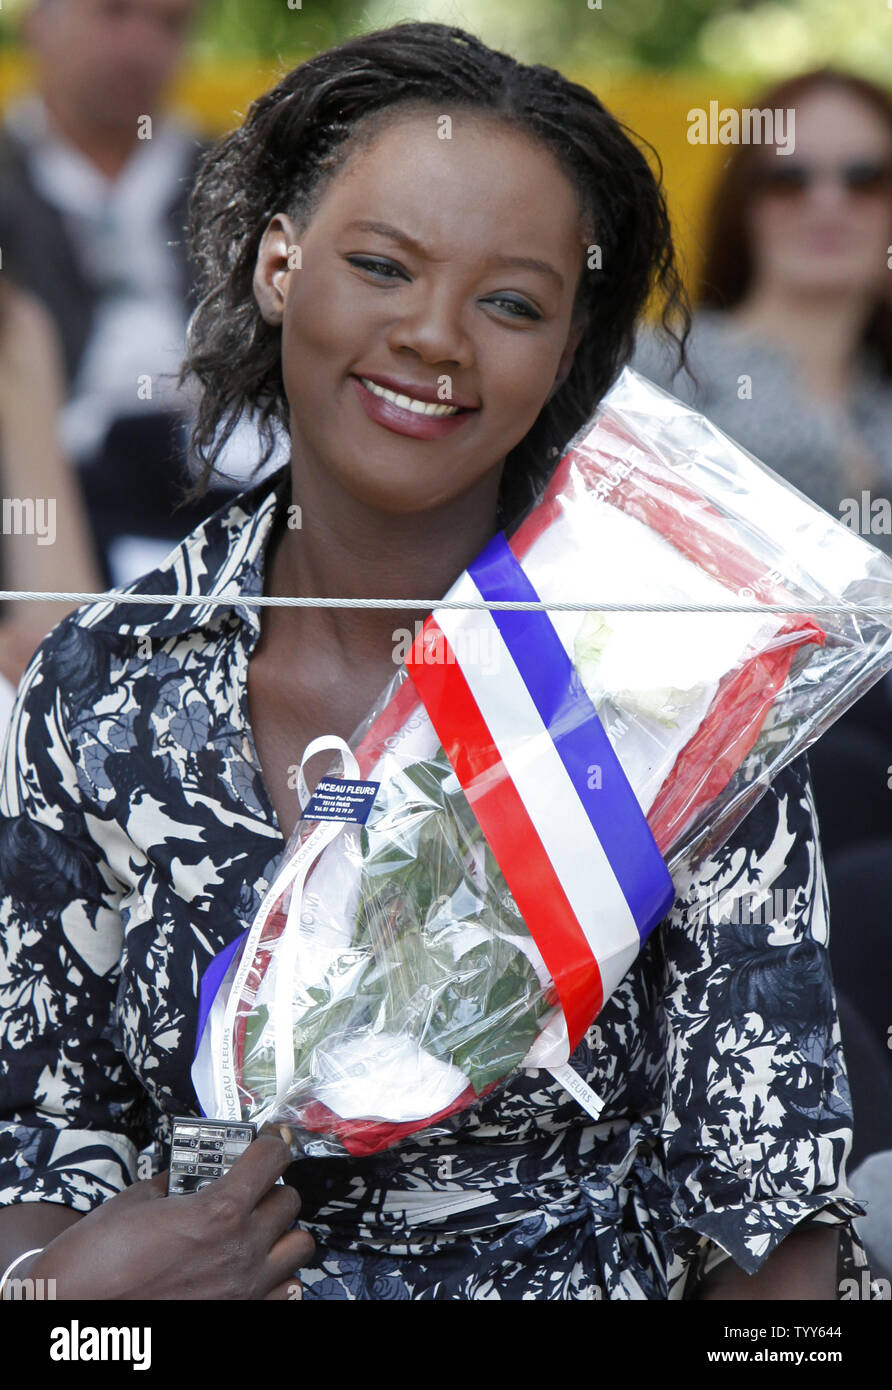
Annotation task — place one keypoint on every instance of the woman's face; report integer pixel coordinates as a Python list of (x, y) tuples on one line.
[(823, 219), (429, 301)]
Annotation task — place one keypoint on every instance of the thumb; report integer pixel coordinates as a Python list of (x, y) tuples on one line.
[(146, 1190)]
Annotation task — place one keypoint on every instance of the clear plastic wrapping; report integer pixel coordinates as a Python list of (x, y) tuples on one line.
[(528, 782)]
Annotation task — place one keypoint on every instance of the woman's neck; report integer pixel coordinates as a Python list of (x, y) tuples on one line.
[(820, 332), (344, 549)]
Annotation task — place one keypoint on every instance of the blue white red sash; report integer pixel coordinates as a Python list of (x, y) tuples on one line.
[(544, 783)]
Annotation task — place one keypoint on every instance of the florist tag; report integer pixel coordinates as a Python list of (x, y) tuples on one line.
[(347, 802)]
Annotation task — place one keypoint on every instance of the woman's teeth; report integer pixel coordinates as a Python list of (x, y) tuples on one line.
[(407, 402)]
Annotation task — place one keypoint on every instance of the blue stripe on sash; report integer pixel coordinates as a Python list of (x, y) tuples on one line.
[(211, 981), (578, 736)]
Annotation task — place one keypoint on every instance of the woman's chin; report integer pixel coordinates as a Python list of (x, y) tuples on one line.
[(402, 494), (829, 273)]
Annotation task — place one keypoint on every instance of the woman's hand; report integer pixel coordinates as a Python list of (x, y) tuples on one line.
[(229, 1241)]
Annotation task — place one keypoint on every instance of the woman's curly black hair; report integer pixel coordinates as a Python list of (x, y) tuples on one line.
[(298, 135)]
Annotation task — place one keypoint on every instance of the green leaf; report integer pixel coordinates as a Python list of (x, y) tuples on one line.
[(419, 899)]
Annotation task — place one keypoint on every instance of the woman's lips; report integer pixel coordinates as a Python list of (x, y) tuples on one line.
[(394, 417)]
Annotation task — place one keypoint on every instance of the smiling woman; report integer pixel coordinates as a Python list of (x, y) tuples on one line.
[(437, 313), (432, 185), (425, 261)]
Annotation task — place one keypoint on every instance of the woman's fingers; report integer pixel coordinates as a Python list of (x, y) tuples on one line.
[(274, 1215), (290, 1291), (288, 1255), (145, 1190), (254, 1172)]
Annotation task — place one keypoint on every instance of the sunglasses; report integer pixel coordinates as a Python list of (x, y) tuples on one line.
[(860, 177)]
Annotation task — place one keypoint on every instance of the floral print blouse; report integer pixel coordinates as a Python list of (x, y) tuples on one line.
[(137, 838)]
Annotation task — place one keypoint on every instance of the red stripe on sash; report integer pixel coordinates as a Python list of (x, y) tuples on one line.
[(510, 833)]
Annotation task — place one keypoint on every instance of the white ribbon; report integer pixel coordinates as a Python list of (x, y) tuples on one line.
[(286, 947), (293, 873)]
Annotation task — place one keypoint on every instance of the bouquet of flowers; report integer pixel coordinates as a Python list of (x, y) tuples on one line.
[(463, 895)]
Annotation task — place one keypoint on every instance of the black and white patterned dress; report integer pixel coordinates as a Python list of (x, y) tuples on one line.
[(137, 839)]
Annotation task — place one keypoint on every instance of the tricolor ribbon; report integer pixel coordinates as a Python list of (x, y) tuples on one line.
[(544, 783)]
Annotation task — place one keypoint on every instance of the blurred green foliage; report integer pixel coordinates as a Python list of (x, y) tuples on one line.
[(271, 28), (624, 33), (613, 36)]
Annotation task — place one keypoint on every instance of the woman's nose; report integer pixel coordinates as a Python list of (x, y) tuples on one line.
[(433, 326), (828, 192)]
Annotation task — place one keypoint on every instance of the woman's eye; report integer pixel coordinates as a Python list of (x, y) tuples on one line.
[(376, 265), (517, 307), (388, 270)]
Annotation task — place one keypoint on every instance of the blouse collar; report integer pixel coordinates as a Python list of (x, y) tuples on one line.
[(223, 556)]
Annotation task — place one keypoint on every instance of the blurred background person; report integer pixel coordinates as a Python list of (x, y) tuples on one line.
[(791, 355), (32, 466), (792, 345), (94, 184)]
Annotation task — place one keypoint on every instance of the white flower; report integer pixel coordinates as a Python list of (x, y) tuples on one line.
[(638, 670)]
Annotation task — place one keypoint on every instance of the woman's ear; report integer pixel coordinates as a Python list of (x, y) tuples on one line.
[(273, 267), (574, 337)]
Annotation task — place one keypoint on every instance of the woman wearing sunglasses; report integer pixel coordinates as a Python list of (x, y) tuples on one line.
[(791, 351), (791, 354)]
